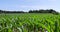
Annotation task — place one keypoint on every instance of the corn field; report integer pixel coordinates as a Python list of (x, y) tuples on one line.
[(29, 22)]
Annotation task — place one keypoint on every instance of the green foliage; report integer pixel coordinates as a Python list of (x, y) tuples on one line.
[(44, 11), (30, 22)]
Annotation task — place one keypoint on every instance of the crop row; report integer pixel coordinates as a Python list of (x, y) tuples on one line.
[(29, 23)]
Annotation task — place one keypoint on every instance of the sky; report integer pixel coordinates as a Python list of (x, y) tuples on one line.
[(26, 5)]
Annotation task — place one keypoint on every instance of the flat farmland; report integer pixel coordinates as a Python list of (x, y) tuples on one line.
[(29, 22)]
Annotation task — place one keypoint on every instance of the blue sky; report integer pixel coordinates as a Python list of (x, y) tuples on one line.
[(26, 5)]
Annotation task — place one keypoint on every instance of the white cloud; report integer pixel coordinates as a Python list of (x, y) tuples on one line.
[(37, 7)]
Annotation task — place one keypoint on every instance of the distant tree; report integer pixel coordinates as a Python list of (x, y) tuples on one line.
[(30, 11), (1, 11), (44, 11), (53, 11)]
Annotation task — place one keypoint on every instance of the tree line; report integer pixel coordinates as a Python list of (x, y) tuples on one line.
[(32, 11), (2, 11), (44, 11)]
